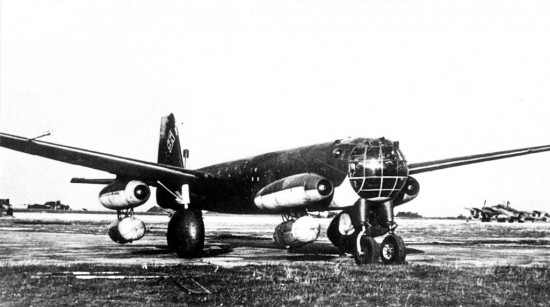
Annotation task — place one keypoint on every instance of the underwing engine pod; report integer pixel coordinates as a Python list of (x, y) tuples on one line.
[(124, 194), (300, 190), (296, 233), (126, 230), (408, 193)]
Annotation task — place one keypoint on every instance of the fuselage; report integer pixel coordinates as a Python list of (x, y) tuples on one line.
[(373, 169)]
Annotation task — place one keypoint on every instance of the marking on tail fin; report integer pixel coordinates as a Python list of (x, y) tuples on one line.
[(170, 141)]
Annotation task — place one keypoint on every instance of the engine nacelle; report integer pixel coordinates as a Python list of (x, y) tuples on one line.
[(298, 232), (126, 230), (124, 194), (475, 214), (295, 191), (408, 193)]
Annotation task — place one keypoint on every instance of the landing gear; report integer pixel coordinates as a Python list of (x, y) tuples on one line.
[(353, 230), (121, 214), (293, 214), (366, 250), (186, 233), (392, 250)]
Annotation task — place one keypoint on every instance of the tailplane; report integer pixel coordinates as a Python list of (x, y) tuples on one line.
[(169, 143)]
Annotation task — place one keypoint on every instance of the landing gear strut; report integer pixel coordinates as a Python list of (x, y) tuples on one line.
[(392, 250), (352, 231), (365, 248), (121, 214), (186, 228)]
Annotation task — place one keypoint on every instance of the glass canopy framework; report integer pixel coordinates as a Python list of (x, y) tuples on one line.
[(379, 172)]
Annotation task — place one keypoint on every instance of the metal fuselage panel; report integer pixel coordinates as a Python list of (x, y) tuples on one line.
[(233, 185)]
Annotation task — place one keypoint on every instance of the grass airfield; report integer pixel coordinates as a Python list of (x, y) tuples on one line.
[(68, 259)]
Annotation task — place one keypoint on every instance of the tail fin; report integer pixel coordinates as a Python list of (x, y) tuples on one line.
[(169, 143)]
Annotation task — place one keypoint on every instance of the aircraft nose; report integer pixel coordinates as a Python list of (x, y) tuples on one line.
[(378, 171)]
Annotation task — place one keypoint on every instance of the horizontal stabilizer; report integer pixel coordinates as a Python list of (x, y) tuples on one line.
[(92, 181)]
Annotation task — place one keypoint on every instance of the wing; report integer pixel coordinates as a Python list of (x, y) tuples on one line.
[(416, 168), (120, 166)]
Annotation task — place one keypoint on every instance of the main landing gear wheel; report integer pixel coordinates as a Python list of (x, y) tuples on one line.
[(186, 233), (369, 251), (392, 250)]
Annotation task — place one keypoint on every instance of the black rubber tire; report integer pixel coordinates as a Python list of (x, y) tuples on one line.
[(370, 251), (392, 250), (186, 233)]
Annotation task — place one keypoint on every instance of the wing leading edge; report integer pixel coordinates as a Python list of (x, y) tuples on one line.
[(120, 166), (416, 168)]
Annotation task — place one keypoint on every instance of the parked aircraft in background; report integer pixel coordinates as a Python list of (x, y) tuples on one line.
[(539, 216), (366, 178), (505, 213)]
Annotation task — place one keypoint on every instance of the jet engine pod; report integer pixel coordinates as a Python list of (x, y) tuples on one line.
[(124, 194), (298, 232), (295, 191), (408, 193), (126, 230)]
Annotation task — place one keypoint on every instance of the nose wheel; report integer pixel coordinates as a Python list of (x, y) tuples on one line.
[(354, 229), (366, 250), (392, 250)]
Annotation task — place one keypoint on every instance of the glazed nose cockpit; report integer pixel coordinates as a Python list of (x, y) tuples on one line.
[(377, 170)]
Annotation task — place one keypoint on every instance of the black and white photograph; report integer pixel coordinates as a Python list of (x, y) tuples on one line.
[(274, 153)]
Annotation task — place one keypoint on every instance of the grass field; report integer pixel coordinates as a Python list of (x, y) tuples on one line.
[(312, 285), (332, 282)]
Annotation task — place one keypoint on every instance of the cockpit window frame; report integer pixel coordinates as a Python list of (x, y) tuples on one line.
[(379, 173)]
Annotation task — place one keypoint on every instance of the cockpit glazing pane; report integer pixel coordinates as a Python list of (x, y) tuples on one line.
[(377, 172)]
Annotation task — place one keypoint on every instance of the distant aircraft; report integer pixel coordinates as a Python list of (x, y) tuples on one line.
[(366, 178), (539, 216), (505, 213)]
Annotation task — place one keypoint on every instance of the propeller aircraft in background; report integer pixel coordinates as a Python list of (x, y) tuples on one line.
[(365, 178), (505, 213)]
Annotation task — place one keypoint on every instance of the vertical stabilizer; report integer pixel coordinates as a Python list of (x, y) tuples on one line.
[(169, 143)]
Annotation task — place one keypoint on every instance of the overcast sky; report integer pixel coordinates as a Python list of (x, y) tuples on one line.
[(445, 78)]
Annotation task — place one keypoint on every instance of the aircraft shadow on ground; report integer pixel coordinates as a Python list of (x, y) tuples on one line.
[(209, 251), (225, 244), (159, 250), (317, 251), (245, 241), (411, 251), (262, 242)]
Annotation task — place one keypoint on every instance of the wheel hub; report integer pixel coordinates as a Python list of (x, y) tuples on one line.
[(388, 251)]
